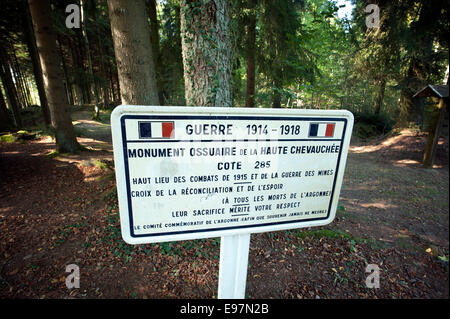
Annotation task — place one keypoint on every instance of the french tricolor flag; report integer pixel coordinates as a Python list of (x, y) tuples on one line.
[(321, 129), (156, 129)]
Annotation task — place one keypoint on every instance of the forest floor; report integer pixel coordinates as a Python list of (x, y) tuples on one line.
[(58, 209)]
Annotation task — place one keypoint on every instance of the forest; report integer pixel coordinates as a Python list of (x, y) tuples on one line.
[(66, 64), (285, 54)]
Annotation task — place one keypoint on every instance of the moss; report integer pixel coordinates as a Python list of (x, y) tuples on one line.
[(52, 154), (19, 136), (7, 138)]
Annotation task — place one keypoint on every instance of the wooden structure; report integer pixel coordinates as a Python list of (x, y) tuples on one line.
[(441, 93)]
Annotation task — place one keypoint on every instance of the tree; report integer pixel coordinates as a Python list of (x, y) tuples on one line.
[(154, 39), (101, 47), (96, 114), (8, 83), (37, 71), (53, 78), (250, 52), (426, 45), (280, 57), (133, 51), (171, 76), (381, 47), (5, 121), (206, 49)]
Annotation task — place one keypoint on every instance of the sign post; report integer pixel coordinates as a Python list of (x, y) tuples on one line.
[(233, 266), (199, 172)]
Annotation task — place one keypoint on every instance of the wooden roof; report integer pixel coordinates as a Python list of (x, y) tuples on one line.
[(440, 91)]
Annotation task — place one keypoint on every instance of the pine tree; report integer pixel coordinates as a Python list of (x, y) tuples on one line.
[(133, 51), (279, 47), (53, 78), (206, 48)]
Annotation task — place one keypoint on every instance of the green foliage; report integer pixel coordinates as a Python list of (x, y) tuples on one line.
[(318, 234), (7, 138), (206, 248), (170, 76), (306, 57), (327, 233), (19, 136), (369, 125), (52, 154), (113, 237), (281, 57)]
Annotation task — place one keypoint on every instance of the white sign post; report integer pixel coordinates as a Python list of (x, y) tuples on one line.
[(198, 172), (233, 266)]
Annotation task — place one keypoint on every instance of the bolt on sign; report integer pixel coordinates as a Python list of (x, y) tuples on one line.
[(197, 172)]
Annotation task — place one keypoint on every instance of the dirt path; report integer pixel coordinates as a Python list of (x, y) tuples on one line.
[(56, 211), (99, 131), (388, 195)]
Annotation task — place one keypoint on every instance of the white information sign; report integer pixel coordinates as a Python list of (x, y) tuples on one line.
[(197, 172)]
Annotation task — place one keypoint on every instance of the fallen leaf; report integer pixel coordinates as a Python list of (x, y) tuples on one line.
[(15, 271)]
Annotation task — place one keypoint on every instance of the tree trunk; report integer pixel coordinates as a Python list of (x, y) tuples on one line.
[(206, 49), (23, 79), (53, 77), (64, 68), (276, 100), (26, 84), (5, 121), (133, 50), (10, 89), (251, 39), (409, 107), (154, 34), (154, 38), (380, 96), (104, 84), (84, 79), (420, 66), (276, 96), (433, 137), (20, 85), (96, 114), (76, 67), (111, 82), (116, 82), (435, 134)]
